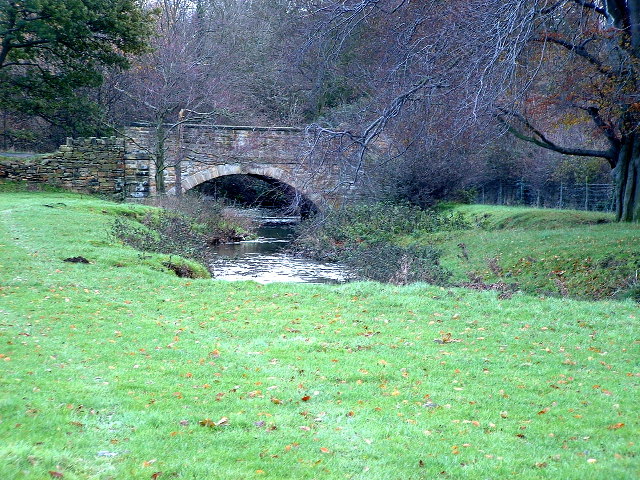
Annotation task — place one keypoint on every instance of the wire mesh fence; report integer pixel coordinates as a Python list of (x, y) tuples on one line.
[(578, 196)]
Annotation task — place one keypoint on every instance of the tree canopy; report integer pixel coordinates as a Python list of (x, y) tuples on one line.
[(50, 49)]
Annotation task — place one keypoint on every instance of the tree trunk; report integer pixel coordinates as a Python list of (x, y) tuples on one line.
[(159, 159), (177, 168), (626, 175)]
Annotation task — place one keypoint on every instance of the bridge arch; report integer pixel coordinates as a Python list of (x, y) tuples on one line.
[(215, 171)]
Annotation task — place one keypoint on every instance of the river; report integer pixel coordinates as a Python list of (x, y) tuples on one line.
[(265, 259)]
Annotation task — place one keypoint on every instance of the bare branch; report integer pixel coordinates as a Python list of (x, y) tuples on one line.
[(538, 138), (592, 6), (579, 50)]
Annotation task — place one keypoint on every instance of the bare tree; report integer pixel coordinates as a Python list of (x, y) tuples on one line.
[(429, 76), (174, 84), (461, 64)]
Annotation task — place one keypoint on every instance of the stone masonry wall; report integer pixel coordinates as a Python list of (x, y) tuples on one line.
[(92, 165)]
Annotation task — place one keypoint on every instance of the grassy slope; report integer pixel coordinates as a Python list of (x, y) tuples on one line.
[(107, 370), (546, 252)]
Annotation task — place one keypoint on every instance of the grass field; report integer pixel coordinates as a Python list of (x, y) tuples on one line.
[(117, 369)]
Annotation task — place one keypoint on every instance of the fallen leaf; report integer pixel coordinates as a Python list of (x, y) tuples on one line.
[(325, 450), (55, 474), (155, 475), (306, 398), (615, 426), (207, 422)]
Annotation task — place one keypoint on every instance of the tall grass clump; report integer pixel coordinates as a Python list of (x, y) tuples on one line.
[(365, 237)]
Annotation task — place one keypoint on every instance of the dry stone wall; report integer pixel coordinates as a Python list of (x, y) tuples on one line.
[(93, 165)]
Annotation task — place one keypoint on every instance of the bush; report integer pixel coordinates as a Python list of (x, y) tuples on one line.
[(185, 227), (324, 237), (163, 232), (364, 237), (207, 215)]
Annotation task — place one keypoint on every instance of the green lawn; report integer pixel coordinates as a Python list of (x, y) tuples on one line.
[(118, 369)]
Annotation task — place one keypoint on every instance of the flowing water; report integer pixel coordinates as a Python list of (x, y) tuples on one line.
[(265, 259)]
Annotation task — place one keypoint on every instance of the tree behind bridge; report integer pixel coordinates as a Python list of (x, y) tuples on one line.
[(52, 51)]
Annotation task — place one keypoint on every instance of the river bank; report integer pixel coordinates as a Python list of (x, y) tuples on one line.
[(505, 249)]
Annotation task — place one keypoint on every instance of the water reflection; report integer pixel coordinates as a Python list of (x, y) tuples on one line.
[(265, 260)]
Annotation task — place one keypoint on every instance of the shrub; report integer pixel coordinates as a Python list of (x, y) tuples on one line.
[(185, 227), (163, 232), (364, 237), (208, 216)]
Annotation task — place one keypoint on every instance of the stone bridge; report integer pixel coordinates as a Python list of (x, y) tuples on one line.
[(131, 167), (210, 151)]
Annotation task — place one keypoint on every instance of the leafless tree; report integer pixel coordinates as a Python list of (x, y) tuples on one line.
[(173, 84), (461, 64)]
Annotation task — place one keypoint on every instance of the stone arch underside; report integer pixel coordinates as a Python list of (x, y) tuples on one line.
[(215, 171)]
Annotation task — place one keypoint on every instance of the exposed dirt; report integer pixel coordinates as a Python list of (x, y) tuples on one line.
[(78, 259), (181, 270)]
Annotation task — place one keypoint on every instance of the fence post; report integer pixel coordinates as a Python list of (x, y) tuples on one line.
[(561, 186), (586, 194), (612, 206)]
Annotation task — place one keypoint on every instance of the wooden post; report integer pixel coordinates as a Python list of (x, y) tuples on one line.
[(586, 194)]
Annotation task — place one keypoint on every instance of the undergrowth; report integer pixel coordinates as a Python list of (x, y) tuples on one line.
[(186, 227), (365, 237)]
